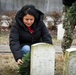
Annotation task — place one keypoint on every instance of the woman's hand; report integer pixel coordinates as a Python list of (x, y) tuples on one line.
[(19, 61)]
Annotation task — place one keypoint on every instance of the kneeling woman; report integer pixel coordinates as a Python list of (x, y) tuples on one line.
[(27, 29)]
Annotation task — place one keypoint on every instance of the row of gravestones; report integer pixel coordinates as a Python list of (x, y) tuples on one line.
[(43, 60)]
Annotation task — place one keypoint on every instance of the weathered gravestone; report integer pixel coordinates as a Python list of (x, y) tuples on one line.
[(70, 62), (60, 32), (42, 59)]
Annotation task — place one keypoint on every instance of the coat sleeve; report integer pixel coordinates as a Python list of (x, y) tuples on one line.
[(14, 42), (46, 36)]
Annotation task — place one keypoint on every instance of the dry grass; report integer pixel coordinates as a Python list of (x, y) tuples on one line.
[(4, 38), (8, 66), (59, 64)]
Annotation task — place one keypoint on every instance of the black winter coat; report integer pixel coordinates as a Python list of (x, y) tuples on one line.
[(68, 2), (20, 35)]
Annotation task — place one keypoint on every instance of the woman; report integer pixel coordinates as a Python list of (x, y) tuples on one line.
[(28, 29)]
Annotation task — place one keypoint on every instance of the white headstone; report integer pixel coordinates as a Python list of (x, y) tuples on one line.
[(4, 23), (60, 32), (42, 59)]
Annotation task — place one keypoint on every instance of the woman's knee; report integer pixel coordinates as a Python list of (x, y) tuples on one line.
[(25, 49)]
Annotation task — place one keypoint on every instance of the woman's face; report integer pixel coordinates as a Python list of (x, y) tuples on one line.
[(28, 20)]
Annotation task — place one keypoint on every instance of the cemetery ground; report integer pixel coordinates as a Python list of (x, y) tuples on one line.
[(8, 66)]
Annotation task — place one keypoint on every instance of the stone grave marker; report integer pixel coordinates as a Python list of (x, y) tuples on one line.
[(70, 62), (60, 32), (42, 59)]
